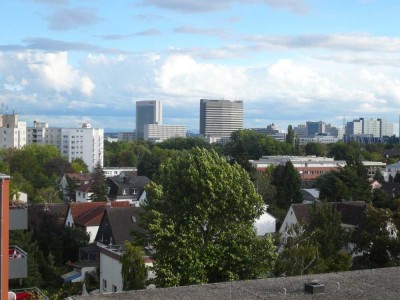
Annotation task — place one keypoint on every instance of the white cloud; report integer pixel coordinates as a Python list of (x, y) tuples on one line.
[(288, 89)]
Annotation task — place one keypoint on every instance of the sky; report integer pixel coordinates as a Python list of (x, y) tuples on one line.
[(66, 62)]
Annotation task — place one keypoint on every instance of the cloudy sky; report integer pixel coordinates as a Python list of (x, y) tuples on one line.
[(69, 61)]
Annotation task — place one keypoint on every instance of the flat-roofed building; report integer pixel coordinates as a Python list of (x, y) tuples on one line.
[(220, 117), (158, 133), (12, 132)]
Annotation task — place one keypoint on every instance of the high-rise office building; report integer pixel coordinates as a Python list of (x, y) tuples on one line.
[(147, 112), (220, 117), (314, 128)]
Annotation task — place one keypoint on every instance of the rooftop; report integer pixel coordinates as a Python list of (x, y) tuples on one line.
[(364, 284)]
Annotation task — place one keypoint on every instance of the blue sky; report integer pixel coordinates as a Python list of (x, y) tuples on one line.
[(66, 61)]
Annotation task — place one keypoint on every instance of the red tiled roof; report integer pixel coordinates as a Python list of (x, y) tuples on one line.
[(91, 213), (92, 217), (80, 176), (124, 203), (78, 209)]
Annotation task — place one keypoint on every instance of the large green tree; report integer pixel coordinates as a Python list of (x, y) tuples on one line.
[(200, 214), (133, 269), (288, 185)]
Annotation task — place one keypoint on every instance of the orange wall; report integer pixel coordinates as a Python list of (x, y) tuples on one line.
[(4, 235)]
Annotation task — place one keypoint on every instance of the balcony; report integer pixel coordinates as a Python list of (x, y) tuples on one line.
[(18, 263), (18, 218), (30, 294)]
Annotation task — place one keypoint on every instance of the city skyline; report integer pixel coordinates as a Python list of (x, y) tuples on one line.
[(70, 61)]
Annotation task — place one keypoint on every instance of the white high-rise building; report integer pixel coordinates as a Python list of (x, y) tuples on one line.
[(371, 126), (85, 143), (386, 128), (147, 112), (158, 133), (219, 118), (12, 132)]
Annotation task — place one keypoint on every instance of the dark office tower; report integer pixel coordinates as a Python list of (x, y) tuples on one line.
[(147, 112), (220, 118)]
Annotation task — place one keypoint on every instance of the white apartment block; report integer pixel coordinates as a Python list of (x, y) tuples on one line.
[(86, 143), (12, 132), (158, 133)]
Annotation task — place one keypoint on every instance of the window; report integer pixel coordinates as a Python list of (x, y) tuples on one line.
[(134, 191), (104, 284), (114, 289), (125, 191)]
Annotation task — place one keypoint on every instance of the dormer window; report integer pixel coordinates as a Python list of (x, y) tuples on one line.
[(133, 219)]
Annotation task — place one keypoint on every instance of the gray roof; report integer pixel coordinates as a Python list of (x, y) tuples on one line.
[(122, 225), (365, 284)]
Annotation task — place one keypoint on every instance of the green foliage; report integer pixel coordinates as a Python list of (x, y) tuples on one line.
[(123, 153), (255, 144), (47, 195), (315, 248), (290, 135), (25, 240), (151, 161), (328, 232), (200, 214), (133, 268), (98, 185), (379, 176), (349, 183), (377, 242), (181, 143), (79, 166), (396, 177), (288, 185), (316, 149), (342, 151)]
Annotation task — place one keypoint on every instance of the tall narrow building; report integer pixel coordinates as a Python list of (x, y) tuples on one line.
[(219, 118), (147, 112)]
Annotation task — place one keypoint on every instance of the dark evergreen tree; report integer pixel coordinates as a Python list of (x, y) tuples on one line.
[(290, 135), (379, 176), (98, 186), (288, 185)]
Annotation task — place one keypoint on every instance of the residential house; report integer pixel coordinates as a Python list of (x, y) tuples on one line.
[(117, 226), (391, 188), (265, 224), (310, 195), (127, 187), (351, 213), (70, 181), (87, 264), (88, 215), (83, 193)]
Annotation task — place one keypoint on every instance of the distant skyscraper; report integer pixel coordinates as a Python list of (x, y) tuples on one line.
[(147, 112), (314, 128), (220, 117)]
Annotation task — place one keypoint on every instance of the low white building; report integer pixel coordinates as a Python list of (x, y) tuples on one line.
[(110, 268), (158, 132), (116, 171)]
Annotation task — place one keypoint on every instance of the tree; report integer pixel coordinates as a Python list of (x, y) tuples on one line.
[(133, 268), (290, 135), (98, 186), (200, 215), (396, 177), (47, 195), (79, 166), (379, 176), (316, 149), (288, 184), (377, 240)]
